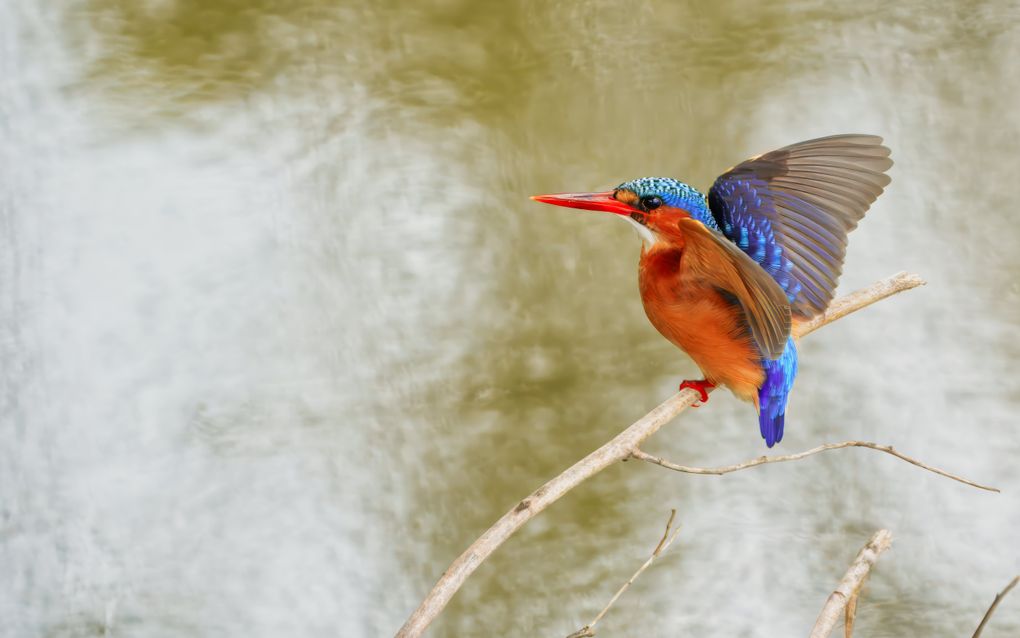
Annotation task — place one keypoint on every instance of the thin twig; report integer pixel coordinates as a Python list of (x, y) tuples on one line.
[(762, 460), (589, 630), (665, 534), (850, 586), (995, 603), (617, 449)]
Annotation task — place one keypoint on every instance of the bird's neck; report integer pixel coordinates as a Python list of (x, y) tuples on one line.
[(659, 268)]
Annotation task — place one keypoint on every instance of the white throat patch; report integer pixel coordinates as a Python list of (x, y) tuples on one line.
[(647, 236)]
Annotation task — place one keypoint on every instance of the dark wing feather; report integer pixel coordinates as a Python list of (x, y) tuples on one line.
[(803, 199)]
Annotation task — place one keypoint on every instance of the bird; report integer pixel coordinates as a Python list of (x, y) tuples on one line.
[(726, 276)]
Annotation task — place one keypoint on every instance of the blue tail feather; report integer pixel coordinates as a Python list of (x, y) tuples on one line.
[(779, 376)]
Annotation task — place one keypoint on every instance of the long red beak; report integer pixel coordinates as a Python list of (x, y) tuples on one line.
[(587, 201)]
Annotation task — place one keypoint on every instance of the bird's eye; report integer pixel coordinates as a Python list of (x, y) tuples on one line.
[(651, 202)]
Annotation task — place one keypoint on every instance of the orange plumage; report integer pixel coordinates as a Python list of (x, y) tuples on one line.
[(699, 320)]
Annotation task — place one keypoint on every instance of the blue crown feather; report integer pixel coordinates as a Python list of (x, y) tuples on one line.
[(674, 193)]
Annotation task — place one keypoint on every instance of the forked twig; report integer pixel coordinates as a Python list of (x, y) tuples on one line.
[(762, 460), (850, 586), (589, 630)]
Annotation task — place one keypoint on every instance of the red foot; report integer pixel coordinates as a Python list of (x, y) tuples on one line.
[(702, 386)]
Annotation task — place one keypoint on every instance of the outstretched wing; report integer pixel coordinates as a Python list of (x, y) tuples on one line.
[(791, 210)]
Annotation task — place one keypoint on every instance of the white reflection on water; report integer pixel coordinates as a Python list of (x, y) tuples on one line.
[(275, 351)]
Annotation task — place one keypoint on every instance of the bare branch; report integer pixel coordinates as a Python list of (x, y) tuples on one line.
[(850, 586), (858, 299), (617, 449), (762, 460), (589, 630), (995, 603)]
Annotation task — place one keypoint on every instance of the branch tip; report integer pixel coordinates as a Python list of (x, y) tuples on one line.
[(667, 540)]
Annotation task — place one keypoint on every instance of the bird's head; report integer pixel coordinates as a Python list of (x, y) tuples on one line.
[(653, 205)]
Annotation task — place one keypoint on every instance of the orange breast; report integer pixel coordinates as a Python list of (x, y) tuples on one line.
[(699, 320)]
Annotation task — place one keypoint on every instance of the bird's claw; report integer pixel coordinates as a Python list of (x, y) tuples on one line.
[(702, 386)]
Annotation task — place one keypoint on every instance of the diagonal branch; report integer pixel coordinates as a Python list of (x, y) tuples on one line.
[(850, 586), (617, 449), (589, 630), (762, 460)]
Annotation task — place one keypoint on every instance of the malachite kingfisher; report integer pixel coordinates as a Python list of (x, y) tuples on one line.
[(724, 277)]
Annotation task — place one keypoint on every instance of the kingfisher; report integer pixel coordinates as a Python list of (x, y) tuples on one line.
[(725, 277)]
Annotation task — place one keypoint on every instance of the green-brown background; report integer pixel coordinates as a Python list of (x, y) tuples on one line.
[(281, 332)]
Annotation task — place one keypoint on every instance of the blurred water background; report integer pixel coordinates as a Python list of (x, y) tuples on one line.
[(281, 333)]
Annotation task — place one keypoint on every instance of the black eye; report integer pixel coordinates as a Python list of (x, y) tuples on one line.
[(651, 202)]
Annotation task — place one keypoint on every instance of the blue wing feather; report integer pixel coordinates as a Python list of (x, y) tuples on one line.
[(753, 233), (790, 210)]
